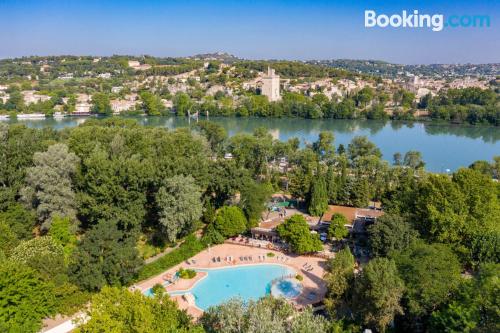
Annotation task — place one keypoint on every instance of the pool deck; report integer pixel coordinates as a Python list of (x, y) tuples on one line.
[(313, 283)]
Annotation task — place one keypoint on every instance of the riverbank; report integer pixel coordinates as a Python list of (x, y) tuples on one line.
[(443, 146)]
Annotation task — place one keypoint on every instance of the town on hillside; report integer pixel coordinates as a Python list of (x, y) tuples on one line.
[(222, 85)]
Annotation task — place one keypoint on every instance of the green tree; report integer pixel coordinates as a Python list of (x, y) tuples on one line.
[(254, 197), (104, 257), (20, 220), (337, 228), (151, 104), (324, 146), (390, 233), (61, 231), (475, 308), (265, 315), (180, 206), (413, 159), (331, 184), (364, 96), (339, 278), (8, 239), (25, 299), (318, 202), (215, 134), (108, 193), (440, 209), (295, 231), (182, 103), (483, 167), (119, 310), (49, 187), (230, 221), (101, 104), (431, 273), (361, 146), (378, 290), (44, 255)]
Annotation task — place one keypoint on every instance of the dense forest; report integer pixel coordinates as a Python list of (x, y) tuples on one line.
[(81, 208)]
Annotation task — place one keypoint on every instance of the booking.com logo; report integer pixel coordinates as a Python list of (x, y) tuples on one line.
[(436, 22)]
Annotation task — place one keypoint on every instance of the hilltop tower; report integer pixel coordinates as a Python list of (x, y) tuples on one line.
[(271, 85)]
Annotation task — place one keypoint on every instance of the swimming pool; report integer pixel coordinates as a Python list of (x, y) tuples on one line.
[(287, 288), (249, 282)]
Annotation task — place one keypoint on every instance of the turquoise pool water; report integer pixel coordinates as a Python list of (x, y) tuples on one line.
[(288, 288), (247, 282)]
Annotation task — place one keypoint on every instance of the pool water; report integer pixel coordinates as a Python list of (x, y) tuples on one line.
[(288, 288), (247, 282)]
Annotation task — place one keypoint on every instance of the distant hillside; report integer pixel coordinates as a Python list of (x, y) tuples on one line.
[(375, 67), (220, 56)]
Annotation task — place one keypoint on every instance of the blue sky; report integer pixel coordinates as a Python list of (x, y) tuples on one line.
[(250, 29)]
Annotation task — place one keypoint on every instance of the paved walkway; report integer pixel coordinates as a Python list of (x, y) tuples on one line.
[(66, 326)]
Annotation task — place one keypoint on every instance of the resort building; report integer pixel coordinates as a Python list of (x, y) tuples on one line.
[(359, 218), (271, 85)]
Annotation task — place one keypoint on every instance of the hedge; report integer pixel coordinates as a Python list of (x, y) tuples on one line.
[(186, 250)]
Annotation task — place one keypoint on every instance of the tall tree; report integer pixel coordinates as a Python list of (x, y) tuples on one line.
[(318, 197), (390, 233), (475, 308), (180, 206), (105, 256), (254, 196), (413, 159), (378, 290), (101, 104), (49, 187), (361, 146), (151, 104), (215, 134), (339, 278), (324, 146), (431, 273)]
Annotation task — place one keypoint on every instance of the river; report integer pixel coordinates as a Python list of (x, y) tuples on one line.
[(443, 146)]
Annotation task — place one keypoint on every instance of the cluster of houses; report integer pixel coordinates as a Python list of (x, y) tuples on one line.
[(268, 83), (422, 86)]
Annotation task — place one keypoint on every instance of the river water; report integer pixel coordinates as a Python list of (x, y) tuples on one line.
[(443, 146)]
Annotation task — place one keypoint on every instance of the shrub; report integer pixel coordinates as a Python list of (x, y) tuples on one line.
[(270, 254), (186, 273), (158, 289), (299, 277)]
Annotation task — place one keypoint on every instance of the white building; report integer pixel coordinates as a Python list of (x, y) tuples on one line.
[(271, 85), (104, 75), (82, 109), (31, 97), (116, 90), (120, 105)]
